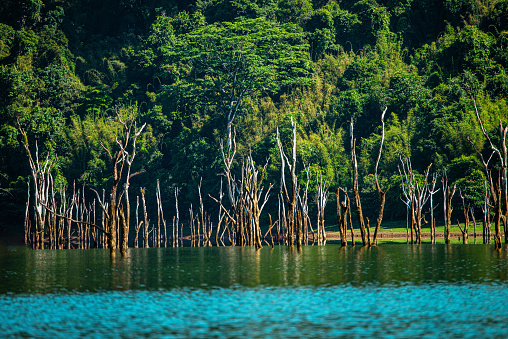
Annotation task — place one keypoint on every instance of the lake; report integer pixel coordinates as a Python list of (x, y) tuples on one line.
[(392, 290)]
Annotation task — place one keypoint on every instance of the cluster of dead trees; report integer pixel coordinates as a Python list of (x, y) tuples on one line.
[(418, 191), (75, 221)]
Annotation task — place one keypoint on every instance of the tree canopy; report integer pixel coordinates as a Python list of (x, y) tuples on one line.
[(226, 63)]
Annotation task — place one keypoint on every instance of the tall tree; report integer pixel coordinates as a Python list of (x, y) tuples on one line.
[(230, 61)]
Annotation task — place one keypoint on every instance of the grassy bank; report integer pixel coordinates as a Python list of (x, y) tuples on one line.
[(396, 232)]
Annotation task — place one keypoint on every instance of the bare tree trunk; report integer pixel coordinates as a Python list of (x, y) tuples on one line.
[(146, 222), (342, 212), (138, 224), (176, 237), (471, 210), (321, 200), (486, 215), (499, 191), (381, 193), (356, 190), (40, 172), (123, 230), (289, 199), (27, 215), (447, 198), (465, 209), (350, 220), (432, 191)]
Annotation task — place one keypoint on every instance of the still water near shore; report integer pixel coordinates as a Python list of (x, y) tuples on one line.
[(327, 291)]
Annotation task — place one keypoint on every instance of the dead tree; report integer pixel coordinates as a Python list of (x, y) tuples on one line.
[(448, 194), (342, 214), (246, 198), (486, 214), (146, 230), (127, 158), (220, 219), (254, 188), (138, 224), (289, 197), (421, 198), (160, 214), (321, 200), (27, 216), (176, 221), (499, 187), (465, 209), (432, 190), (304, 207), (380, 192), (235, 192), (471, 210), (416, 194), (407, 190), (356, 190), (40, 174)]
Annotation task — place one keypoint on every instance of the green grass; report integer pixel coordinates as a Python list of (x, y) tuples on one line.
[(395, 232)]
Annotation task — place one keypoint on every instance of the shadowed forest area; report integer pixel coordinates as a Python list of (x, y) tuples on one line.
[(132, 123)]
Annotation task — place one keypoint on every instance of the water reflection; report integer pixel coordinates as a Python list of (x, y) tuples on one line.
[(27, 271)]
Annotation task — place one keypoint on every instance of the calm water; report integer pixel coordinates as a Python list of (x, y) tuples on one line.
[(387, 291)]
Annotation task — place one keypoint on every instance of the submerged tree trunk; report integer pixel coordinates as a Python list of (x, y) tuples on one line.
[(356, 190), (447, 198), (499, 187), (146, 222), (124, 230), (465, 209), (381, 193), (341, 217), (290, 199)]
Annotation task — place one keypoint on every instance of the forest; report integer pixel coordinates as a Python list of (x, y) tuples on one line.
[(131, 123)]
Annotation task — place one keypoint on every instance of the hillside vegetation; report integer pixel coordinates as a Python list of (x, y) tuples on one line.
[(203, 72)]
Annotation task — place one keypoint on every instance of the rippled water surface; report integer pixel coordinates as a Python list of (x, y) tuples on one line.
[(386, 291)]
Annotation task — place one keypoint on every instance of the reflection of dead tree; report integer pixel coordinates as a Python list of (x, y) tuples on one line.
[(289, 198), (499, 187)]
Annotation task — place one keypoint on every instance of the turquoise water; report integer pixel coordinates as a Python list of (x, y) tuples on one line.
[(388, 291)]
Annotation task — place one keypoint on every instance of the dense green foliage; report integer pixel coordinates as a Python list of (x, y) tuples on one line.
[(187, 68)]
